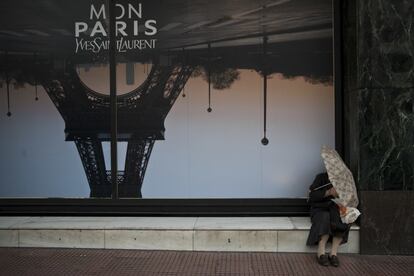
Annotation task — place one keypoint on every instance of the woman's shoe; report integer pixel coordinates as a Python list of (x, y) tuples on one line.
[(323, 260), (334, 260)]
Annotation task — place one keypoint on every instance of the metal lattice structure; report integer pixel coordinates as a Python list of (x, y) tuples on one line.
[(92, 156), (141, 115)]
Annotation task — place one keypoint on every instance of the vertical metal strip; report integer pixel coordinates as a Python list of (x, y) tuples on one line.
[(113, 103), (338, 77)]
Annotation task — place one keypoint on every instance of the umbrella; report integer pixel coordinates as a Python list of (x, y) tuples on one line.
[(343, 182)]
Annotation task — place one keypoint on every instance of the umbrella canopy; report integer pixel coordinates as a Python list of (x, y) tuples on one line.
[(340, 177)]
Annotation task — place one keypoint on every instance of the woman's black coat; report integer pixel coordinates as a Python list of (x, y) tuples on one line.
[(324, 212), (317, 199)]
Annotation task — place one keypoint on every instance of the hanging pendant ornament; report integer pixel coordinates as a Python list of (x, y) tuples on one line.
[(264, 141), (8, 96), (35, 85), (8, 87), (36, 98), (35, 77), (209, 109), (184, 64)]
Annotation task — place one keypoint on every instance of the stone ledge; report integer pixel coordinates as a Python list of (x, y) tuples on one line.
[(158, 223), (260, 234)]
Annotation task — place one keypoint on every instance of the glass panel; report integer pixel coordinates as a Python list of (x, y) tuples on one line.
[(193, 119), (51, 137), (206, 87)]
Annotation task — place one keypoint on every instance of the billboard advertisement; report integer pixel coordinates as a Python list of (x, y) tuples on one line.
[(216, 99)]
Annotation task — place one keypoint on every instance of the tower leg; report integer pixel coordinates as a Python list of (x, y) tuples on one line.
[(137, 157), (91, 154)]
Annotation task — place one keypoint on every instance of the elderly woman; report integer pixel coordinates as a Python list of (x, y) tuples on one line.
[(326, 220)]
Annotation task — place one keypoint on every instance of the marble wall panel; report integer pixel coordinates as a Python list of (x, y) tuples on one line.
[(387, 222), (385, 43), (386, 139)]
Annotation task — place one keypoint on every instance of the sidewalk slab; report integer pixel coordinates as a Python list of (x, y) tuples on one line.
[(54, 261)]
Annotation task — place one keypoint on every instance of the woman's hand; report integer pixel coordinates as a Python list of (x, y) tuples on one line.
[(342, 209), (331, 192), (334, 193)]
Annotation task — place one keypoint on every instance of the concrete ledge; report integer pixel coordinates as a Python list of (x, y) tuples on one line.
[(62, 238), (149, 239), (234, 240), (261, 234), (9, 238)]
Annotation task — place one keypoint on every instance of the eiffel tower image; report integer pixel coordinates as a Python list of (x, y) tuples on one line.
[(141, 112), (86, 113)]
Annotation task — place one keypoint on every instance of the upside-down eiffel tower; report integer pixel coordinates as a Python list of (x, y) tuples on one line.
[(141, 115)]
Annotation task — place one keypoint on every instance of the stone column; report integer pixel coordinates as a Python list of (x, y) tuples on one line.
[(379, 119)]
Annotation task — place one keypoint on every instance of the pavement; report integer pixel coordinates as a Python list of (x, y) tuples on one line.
[(59, 261)]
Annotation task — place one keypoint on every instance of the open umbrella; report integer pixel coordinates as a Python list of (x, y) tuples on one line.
[(343, 182)]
